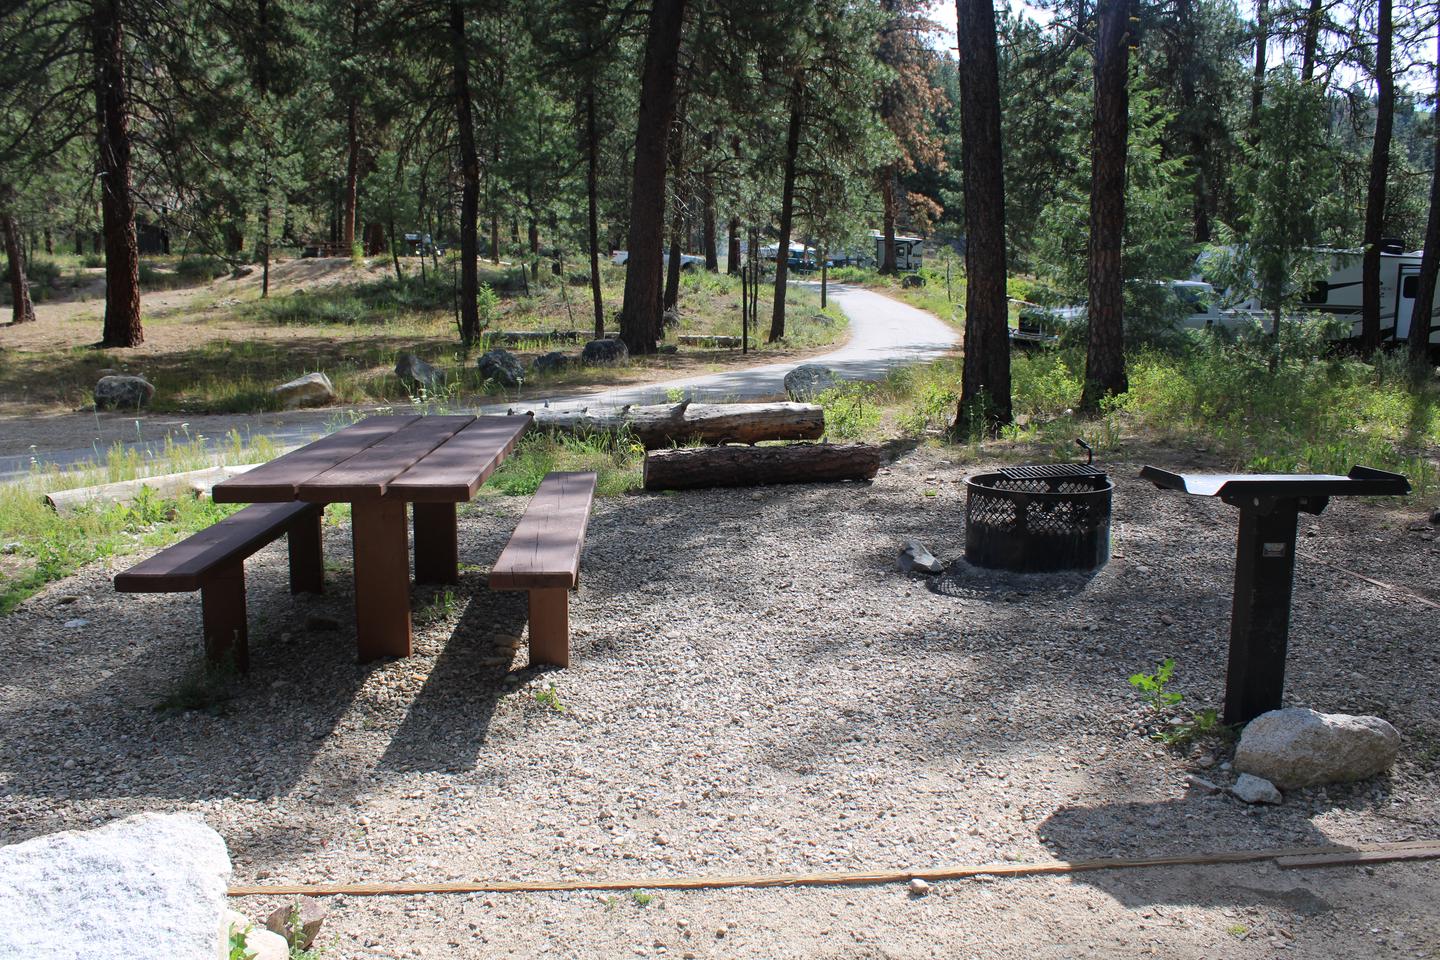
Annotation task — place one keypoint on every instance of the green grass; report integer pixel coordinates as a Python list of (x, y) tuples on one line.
[(617, 461), (47, 546)]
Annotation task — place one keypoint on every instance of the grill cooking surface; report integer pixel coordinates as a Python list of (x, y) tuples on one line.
[(1050, 471)]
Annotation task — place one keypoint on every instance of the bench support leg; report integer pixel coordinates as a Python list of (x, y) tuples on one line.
[(222, 605), (307, 557), (550, 627), (437, 544), (382, 579)]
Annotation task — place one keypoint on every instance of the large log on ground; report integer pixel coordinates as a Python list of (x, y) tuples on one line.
[(701, 340), (527, 336), (694, 467), (668, 424), (193, 483)]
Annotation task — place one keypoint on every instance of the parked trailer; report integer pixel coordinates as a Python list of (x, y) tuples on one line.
[(1340, 294)]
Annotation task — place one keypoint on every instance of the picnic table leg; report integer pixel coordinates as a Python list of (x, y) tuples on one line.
[(382, 579), (222, 613), (437, 543), (550, 627), (307, 558)]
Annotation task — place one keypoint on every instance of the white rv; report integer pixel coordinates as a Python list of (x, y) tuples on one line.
[(908, 250), (1340, 295)]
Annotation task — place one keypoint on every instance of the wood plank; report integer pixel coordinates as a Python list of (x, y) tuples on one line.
[(1425, 850), (183, 567), (278, 480), (545, 549), (367, 474), (455, 470)]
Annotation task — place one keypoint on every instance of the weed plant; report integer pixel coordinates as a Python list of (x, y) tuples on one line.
[(617, 461)]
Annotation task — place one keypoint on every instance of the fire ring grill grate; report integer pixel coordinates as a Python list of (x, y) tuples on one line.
[(1040, 518)]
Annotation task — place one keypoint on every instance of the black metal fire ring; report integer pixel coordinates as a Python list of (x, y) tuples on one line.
[(1038, 519)]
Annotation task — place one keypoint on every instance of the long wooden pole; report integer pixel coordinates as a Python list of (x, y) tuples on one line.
[(1288, 856)]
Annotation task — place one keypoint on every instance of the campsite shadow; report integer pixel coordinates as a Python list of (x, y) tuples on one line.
[(1136, 830), (448, 722)]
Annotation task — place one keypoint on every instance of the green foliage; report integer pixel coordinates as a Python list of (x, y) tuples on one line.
[(616, 460), (438, 609), (549, 698), (849, 412), (1153, 687), (237, 950), (641, 899), (1174, 730)]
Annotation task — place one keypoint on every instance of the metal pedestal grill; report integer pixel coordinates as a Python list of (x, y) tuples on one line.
[(1039, 518)]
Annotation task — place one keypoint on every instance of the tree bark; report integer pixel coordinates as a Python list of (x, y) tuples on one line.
[(887, 202), (1257, 78), (1105, 354), (1420, 320), (352, 176), (666, 424), (470, 178), (21, 309), (640, 313), (787, 208), (707, 224), (985, 380), (122, 326), (1379, 174), (1310, 42), (1196, 139), (690, 468), (592, 201), (732, 253)]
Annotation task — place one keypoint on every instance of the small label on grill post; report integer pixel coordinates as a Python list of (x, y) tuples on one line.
[(1274, 550)]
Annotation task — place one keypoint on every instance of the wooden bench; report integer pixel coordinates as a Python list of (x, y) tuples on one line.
[(213, 562), (543, 557)]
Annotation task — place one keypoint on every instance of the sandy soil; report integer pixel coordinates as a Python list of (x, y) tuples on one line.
[(755, 688)]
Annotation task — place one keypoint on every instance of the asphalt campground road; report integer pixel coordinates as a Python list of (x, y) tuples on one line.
[(884, 334)]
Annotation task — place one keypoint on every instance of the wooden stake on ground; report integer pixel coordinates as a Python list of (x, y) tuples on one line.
[(697, 467), (667, 424), (1312, 856)]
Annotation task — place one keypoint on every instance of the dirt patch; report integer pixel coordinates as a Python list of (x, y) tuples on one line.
[(756, 689)]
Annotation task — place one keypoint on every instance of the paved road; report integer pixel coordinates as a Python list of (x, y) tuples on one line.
[(885, 333)]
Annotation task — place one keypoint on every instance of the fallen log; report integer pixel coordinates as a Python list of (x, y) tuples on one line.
[(194, 483), (701, 340), (668, 424), (694, 467), (528, 336)]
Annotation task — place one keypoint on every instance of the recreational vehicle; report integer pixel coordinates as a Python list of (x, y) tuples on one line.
[(1340, 294), (908, 250)]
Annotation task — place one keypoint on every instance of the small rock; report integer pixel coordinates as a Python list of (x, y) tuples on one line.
[(670, 319), (757, 496), (76, 624), (912, 280), (415, 373), (123, 392), (552, 362), (808, 381), (1253, 789), (69, 598), (311, 390), (1435, 516), (502, 366), (915, 557), (1201, 784), (1298, 747), (605, 353), (244, 270), (919, 887), (298, 922), (262, 944), (11, 547)]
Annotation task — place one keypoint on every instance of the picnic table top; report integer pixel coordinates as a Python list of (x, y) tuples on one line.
[(441, 459)]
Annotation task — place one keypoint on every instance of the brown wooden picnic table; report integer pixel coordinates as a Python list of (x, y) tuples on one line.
[(378, 465)]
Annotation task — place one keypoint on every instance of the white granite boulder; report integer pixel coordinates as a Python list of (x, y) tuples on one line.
[(148, 887), (122, 392), (1298, 747), (311, 390), (808, 381)]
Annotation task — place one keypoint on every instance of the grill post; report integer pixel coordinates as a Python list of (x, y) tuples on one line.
[(1260, 613)]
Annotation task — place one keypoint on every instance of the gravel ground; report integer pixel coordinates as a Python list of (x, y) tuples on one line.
[(755, 688)]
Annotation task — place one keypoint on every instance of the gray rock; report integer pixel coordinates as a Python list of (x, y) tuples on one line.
[(551, 362), (1255, 790), (298, 922), (502, 366), (417, 374), (670, 319), (1201, 785), (823, 319), (914, 556), (605, 353), (244, 270), (912, 280), (149, 887), (1298, 747), (123, 392), (919, 887), (311, 390), (808, 381)]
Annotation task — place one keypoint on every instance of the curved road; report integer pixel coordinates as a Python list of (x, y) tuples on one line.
[(884, 333)]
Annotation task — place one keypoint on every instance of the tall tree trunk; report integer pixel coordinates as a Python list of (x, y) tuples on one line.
[(470, 179), (677, 209), (732, 252), (592, 198), (1196, 134), (640, 313), (532, 235), (1430, 259), (117, 207), (1257, 77), (1310, 42), (49, 242), (707, 223), (1379, 174), (1105, 355), (352, 176), (21, 309), (985, 381), (787, 208), (887, 202)]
